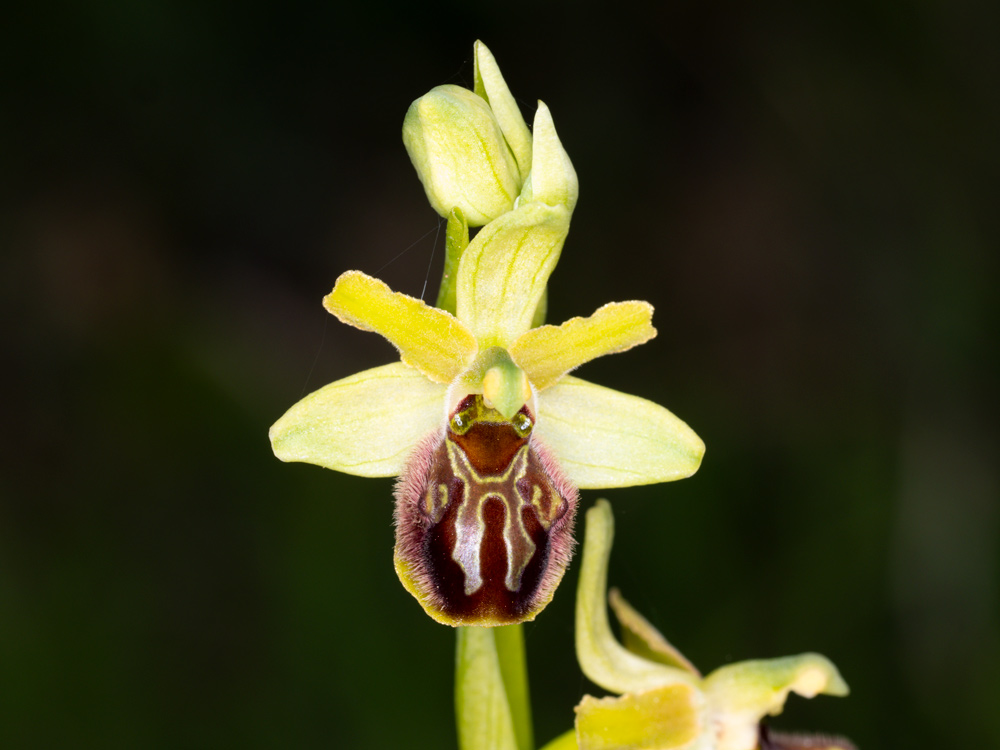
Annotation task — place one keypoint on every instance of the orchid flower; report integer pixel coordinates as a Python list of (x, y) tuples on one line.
[(489, 433), (664, 702)]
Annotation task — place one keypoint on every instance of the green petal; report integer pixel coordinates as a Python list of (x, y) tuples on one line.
[(657, 719), (365, 424), (642, 639), (503, 271), (549, 352), (553, 179), (741, 694), (491, 86), (429, 339), (601, 657), (604, 438)]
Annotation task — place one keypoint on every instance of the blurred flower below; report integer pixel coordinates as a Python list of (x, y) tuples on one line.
[(664, 701)]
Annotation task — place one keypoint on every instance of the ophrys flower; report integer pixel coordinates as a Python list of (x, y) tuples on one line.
[(665, 703), (489, 432), (485, 424)]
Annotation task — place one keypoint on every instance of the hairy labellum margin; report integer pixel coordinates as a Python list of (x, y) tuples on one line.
[(771, 740), (484, 519)]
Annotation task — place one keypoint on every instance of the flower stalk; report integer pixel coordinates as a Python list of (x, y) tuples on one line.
[(492, 706), (456, 239)]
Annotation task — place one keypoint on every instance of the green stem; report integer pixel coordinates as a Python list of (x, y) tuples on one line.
[(455, 241), (514, 669), (491, 689)]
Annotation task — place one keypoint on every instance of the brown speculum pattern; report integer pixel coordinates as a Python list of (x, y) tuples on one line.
[(487, 529)]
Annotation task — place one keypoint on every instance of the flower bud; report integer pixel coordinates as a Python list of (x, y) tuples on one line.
[(458, 149)]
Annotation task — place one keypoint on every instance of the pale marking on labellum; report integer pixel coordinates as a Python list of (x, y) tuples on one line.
[(435, 500), (536, 499), (469, 526)]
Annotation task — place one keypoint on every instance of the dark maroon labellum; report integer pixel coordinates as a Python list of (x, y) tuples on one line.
[(483, 520)]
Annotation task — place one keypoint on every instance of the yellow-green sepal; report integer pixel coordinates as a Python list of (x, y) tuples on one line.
[(365, 424), (605, 438)]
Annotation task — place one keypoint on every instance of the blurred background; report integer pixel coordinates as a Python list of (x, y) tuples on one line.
[(807, 194)]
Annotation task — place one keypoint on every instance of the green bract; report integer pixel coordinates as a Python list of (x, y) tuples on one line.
[(664, 702)]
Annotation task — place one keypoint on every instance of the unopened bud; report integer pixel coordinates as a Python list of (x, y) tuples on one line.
[(458, 149)]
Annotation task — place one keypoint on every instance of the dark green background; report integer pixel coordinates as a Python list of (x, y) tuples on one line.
[(807, 192)]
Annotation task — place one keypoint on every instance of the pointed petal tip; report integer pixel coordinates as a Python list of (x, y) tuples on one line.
[(553, 177), (814, 674), (834, 684)]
